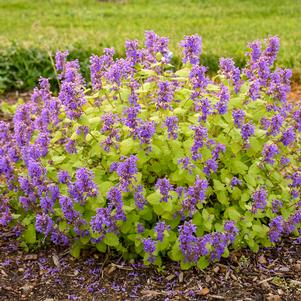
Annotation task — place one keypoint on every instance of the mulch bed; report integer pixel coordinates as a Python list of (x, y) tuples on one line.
[(51, 274)]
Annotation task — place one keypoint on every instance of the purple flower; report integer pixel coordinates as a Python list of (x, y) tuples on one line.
[(98, 65), (276, 228), (115, 197), (131, 120), (210, 165), (172, 126), (145, 131), (198, 77), (218, 149), (101, 221), (288, 136), (46, 204), (63, 177), (68, 209), (133, 54), (219, 242), (235, 182), (255, 51), (166, 91), (228, 69), (36, 172), (238, 117), (254, 90), (71, 146), (247, 130), (140, 228), (4, 131), (276, 206), (59, 238), (60, 60), (72, 90), (149, 247), (259, 199), (195, 194), (165, 187), (279, 84), (126, 171), (5, 213), (186, 164), (159, 229), (189, 244), (205, 106), (192, 49), (275, 125), (269, 152), (156, 44), (44, 224), (224, 96), (200, 136), (296, 178), (139, 197), (83, 186), (284, 160), (231, 230), (118, 71), (270, 53)]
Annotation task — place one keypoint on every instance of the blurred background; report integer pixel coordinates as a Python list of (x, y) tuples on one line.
[(31, 31)]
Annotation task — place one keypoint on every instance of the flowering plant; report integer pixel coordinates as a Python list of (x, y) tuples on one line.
[(156, 162)]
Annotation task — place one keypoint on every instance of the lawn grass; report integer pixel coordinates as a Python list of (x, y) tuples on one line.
[(225, 25)]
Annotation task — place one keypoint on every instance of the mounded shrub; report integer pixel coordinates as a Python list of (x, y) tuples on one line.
[(155, 162)]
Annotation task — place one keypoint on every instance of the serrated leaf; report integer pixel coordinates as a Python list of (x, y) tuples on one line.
[(111, 239), (29, 235), (218, 185), (75, 249), (203, 263)]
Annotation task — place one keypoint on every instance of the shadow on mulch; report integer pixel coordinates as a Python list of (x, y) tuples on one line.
[(52, 274)]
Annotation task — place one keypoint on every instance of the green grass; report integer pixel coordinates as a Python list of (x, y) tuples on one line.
[(225, 25)]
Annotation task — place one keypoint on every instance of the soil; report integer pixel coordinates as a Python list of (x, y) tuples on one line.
[(51, 274)]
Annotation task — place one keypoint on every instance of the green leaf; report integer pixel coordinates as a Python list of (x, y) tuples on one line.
[(75, 249), (203, 263), (29, 235), (235, 147), (236, 194), (197, 219), (233, 213), (238, 167), (222, 197), (154, 198), (186, 265), (175, 253), (218, 186), (111, 239), (126, 146), (101, 247), (183, 72)]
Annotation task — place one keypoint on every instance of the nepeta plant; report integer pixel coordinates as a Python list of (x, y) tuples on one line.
[(155, 162)]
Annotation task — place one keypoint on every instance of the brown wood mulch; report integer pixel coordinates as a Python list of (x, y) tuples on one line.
[(51, 274)]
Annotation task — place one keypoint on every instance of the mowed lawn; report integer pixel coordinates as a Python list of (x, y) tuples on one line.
[(225, 25)]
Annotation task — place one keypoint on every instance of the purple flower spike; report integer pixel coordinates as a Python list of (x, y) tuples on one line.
[(165, 187), (192, 49), (260, 199)]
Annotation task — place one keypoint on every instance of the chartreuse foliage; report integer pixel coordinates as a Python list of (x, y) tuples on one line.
[(155, 162)]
